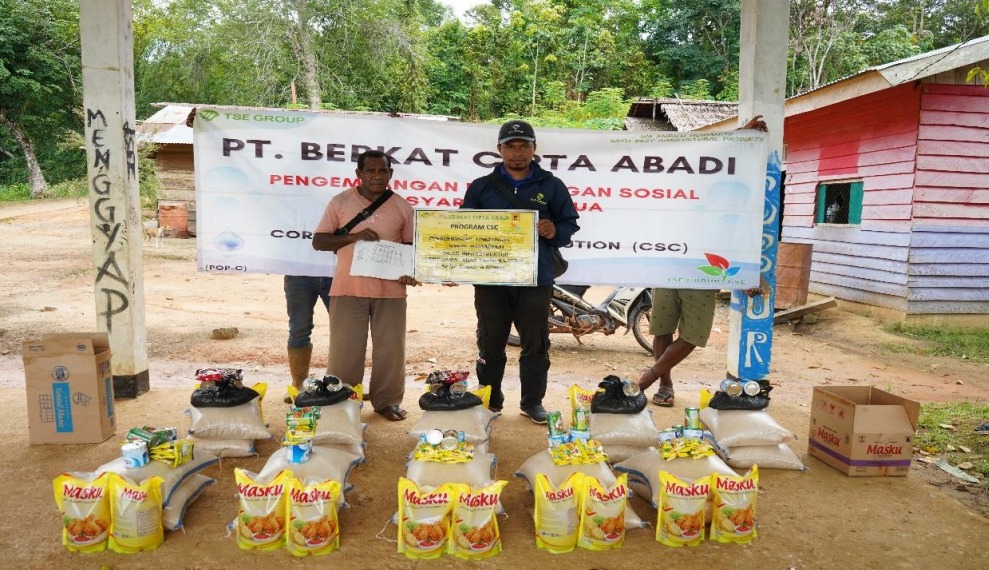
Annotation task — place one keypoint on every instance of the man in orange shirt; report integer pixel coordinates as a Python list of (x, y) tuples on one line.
[(360, 303)]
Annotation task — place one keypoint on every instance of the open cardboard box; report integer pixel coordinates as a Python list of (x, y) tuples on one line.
[(69, 388), (862, 430)]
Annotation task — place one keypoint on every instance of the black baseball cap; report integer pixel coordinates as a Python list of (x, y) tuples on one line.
[(516, 130)]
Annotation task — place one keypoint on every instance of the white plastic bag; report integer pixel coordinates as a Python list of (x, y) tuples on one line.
[(478, 472), (225, 447), (738, 428), (173, 476), (637, 430), (778, 456), (239, 422), (173, 515), (542, 462), (643, 471), (474, 422), (324, 463), (339, 423)]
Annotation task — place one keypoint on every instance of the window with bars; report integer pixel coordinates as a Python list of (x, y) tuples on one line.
[(839, 203)]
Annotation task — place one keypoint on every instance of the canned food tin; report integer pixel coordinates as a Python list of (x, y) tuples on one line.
[(135, 454), (451, 438), (630, 389), (731, 387), (692, 418), (678, 429), (751, 388), (668, 434), (554, 422), (458, 389), (434, 437), (581, 419), (693, 434)]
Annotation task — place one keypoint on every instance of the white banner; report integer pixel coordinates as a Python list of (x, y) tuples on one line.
[(662, 209)]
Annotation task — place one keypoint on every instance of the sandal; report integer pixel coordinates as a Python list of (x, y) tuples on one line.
[(664, 397), (393, 413)]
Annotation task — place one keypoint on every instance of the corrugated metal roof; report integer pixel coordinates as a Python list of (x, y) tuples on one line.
[(167, 125), (668, 114)]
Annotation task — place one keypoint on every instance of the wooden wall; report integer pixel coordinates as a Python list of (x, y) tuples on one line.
[(949, 247), (175, 170), (872, 138)]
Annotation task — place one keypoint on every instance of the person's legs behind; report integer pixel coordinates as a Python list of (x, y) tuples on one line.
[(494, 321), (530, 312), (301, 293), (350, 315), (387, 385)]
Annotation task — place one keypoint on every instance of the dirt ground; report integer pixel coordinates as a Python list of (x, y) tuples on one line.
[(818, 518)]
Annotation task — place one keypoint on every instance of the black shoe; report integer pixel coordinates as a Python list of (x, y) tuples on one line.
[(536, 413), (495, 409)]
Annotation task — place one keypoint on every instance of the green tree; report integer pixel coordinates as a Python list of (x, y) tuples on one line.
[(40, 87)]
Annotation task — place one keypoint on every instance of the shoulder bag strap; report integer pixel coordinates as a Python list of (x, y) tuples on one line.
[(365, 213)]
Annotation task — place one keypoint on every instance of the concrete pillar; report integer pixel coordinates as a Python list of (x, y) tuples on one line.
[(761, 91), (114, 198)]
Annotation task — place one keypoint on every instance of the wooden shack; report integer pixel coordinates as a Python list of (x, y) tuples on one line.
[(887, 177)]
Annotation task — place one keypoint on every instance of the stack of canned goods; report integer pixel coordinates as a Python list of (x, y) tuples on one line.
[(737, 388)]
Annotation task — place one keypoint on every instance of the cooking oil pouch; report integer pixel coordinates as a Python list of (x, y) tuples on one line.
[(313, 524), (135, 515), (475, 534), (84, 501), (424, 518), (682, 506), (261, 519), (733, 516), (602, 516), (557, 512)]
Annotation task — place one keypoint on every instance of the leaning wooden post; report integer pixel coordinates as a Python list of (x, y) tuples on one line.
[(114, 197), (761, 90)]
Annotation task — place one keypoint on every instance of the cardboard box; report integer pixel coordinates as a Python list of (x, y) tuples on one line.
[(862, 431), (69, 388)]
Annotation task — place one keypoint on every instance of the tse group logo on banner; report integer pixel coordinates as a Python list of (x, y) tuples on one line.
[(662, 209)]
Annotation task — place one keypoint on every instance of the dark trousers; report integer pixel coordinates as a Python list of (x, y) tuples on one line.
[(301, 294), (528, 308)]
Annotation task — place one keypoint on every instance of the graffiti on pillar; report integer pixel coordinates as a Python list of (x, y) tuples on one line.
[(110, 279), (130, 150), (756, 340)]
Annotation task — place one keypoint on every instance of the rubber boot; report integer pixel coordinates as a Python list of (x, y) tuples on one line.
[(298, 366)]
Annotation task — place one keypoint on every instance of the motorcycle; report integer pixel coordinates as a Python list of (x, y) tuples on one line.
[(627, 307)]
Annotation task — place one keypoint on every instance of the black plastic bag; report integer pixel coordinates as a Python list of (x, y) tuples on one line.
[(723, 401), (322, 393), (614, 400), (221, 388), (440, 399)]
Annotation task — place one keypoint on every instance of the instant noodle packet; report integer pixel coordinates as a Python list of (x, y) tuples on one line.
[(261, 519), (424, 518), (135, 514), (602, 516), (475, 523), (557, 512), (682, 507), (733, 517), (84, 501), (313, 524)]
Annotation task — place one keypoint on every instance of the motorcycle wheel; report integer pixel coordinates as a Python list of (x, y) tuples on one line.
[(639, 323)]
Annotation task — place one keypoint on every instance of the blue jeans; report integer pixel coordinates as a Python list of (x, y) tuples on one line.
[(301, 294)]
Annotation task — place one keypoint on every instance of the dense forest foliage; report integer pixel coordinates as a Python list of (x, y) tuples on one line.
[(559, 62)]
